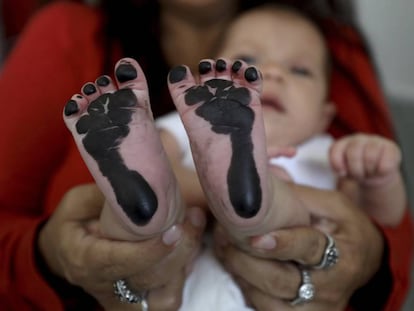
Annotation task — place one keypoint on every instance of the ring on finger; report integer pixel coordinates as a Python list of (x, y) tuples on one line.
[(124, 294), (330, 255), (306, 290)]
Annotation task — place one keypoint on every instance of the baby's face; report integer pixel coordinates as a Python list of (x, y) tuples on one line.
[(291, 54)]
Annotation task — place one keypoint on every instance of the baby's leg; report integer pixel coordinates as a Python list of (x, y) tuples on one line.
[(223, 119), (114, 131)]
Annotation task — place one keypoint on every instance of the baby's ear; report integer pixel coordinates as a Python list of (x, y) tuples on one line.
[(328, 113)]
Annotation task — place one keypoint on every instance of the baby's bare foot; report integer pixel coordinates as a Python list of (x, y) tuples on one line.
[(223, 118), (113, 128)]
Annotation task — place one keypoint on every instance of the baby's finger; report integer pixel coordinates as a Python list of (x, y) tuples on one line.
[(337, 156), (372, 154), (354, 160), (390, 159)]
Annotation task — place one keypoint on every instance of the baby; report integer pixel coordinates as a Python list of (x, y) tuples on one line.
[(235, 118)]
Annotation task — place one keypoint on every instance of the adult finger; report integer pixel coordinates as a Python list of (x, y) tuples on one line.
[(168, 297), (86, 202), (264, 274), (304, 245)]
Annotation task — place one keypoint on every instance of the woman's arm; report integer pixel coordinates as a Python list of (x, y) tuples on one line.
[(41, 72)]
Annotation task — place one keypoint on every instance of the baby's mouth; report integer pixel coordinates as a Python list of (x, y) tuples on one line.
[(273, 103)]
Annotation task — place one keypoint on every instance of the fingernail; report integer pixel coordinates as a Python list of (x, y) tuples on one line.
[(197, 217), (265, 242), (172, 235)]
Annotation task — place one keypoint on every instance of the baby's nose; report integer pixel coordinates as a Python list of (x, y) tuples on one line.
[(273, 71)]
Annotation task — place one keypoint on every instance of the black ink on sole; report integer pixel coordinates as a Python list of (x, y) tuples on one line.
[(227, 109), (105, 126)]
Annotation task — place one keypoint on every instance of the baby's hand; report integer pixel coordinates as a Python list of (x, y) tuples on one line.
[(370, 159)]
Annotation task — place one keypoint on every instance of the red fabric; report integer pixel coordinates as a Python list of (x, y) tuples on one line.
[(400, 241), (39, 161), (15, 14), (355, 88)]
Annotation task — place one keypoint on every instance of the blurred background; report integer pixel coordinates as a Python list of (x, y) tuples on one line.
[(389, 27)]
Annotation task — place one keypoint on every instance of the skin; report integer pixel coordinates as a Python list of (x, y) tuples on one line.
[(370, 167), (200, 22)]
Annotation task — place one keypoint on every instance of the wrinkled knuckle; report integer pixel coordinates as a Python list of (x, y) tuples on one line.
[(352, 266), (271, 285), (75, 274), (317, 248), (370, 157), (75, 271)]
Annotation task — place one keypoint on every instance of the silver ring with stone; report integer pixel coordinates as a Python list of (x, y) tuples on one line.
[(306, 290), (330, 256), (124, 294)]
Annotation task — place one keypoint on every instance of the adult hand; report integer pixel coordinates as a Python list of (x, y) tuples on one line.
[(73, 249), (268, 272)]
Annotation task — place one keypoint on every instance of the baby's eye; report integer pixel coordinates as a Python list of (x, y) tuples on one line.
[(300, 70), (248, 59)]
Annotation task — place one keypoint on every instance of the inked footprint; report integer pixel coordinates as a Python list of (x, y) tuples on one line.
[(228, 98), (114, 131)]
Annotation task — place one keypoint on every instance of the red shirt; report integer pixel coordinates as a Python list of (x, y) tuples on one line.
[(39, 161)]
